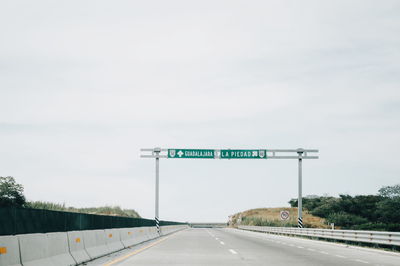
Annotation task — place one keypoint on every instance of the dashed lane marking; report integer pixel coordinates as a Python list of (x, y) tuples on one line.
[(222, 243), (362, 261), (340, 256), (232, 251)]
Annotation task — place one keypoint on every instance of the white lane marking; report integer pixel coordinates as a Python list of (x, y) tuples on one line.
[(211, 234), (340, 256), (300, 247), (311, 249), (324, 252), (232, 251), (216, 238), (222, 243), (362, 261)]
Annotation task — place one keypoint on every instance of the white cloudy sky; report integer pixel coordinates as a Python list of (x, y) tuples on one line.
[(85, 84)]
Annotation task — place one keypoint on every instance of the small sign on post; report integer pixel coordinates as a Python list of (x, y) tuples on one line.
[(284, 215), (191, 154), (243, 154)]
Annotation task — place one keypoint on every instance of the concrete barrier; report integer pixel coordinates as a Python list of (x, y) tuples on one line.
[(130, 236), (165, 230), (168, 229), (143, 234), (146, 232), (9, 251), (126, 237), (113, 240), (152, 232), (77, 247), (34, 250), (72, 248), (59, 250), (95, 243)]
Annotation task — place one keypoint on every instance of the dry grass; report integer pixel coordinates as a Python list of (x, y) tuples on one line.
[(273, 215)]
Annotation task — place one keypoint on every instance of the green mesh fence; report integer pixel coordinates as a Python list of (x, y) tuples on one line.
[(15, 221)]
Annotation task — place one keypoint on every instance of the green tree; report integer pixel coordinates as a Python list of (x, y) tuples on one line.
[(327, 206), (11, 193), (389, 210), (390, 191), (346, 220), (362, 212)]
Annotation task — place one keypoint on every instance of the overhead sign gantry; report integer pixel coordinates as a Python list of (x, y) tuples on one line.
[(298, 154)]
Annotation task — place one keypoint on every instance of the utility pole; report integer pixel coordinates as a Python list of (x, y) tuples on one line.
[(157, 156), (300, 194)]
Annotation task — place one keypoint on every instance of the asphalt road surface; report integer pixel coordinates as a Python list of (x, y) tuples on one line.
[(201, 246)]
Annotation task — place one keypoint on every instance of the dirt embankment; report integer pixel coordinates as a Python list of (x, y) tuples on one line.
[(271, 217)]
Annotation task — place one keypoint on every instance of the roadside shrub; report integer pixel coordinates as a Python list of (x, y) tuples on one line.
[(346, 220)]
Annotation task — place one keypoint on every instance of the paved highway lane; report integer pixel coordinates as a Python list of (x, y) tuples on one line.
[(235, 247)]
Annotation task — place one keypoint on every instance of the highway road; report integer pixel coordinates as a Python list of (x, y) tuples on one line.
[(208, 246)]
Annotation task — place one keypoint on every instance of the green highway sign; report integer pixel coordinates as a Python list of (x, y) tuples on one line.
[(191, 154), (225, 154), (243, 154)]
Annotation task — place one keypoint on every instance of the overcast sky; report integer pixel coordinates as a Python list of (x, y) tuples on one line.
[(85, 84)]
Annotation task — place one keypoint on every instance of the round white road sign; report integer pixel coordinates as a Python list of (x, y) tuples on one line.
[(284, 215)]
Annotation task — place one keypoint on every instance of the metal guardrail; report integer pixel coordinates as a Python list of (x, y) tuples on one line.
[(374, 237)]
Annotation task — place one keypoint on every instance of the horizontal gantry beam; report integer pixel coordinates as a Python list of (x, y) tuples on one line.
[(175, 153)]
